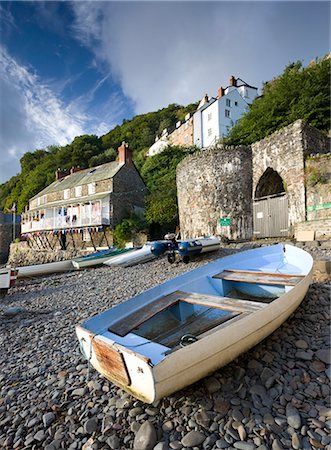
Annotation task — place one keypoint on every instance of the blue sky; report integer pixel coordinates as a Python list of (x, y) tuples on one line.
[(70, 68)]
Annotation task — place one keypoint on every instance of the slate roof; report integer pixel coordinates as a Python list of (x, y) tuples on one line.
[(91, 175)]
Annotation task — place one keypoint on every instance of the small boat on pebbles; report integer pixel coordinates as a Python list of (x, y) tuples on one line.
[(96, 259), (8, 277), (147, 252), (178, 332), (38, 270)]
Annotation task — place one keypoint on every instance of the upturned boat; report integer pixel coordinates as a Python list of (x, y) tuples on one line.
[(178, 332), (8, 277), (97, 259), (38, 270), (139, 255)]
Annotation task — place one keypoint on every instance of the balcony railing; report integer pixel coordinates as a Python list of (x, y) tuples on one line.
[(63, 222)]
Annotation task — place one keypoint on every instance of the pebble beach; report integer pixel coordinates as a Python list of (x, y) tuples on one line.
[(274, 397)]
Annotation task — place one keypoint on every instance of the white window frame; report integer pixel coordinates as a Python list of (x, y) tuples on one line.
[(78, 191), (91, 188), (228, 103), (66, 194), (227, 113)]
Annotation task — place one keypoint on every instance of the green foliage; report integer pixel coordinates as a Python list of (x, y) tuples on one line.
[(316, 175), (299, 93), (125, 231), (159, 174)]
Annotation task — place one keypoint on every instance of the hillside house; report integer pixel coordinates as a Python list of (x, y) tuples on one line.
[(88, 200), (215, 117), (181, 134)]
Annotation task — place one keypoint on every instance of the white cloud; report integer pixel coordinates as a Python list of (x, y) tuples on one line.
[(31, 115), (165, 52)]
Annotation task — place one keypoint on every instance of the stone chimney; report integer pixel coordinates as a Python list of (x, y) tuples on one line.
[(74, 169), (220, 92), (233, 81), (60, 174), (125, 154)]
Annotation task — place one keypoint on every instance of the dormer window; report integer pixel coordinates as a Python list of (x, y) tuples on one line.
[(78, 191)]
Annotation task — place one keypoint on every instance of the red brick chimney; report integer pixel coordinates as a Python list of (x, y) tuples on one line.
[(220, 92), (233, 81), (125, 154), (74, 169), (60, 174)]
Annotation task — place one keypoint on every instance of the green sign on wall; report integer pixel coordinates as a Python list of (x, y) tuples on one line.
[(225, 221)]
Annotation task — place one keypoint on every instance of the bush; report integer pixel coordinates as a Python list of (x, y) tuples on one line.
[(124, 232)]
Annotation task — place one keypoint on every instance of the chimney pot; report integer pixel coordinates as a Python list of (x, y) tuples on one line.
[(125, 154), (220, 92), (233, 81)]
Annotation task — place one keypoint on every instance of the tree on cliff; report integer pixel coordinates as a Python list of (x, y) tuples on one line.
[(299, 93)]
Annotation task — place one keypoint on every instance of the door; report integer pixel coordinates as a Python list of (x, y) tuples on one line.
[(270, 216)]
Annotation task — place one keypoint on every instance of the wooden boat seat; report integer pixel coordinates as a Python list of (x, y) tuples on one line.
[(134, 320), (249, 276)]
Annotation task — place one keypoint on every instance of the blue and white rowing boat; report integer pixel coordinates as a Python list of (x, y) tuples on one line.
[(180, 331)]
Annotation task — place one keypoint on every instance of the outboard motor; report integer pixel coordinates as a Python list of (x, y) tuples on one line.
[(172, 247)]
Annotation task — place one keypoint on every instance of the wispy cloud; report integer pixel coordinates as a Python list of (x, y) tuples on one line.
[(31, 115)]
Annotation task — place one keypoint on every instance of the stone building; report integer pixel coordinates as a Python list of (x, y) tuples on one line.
[(85, 205), (214, 193), (262, 190)]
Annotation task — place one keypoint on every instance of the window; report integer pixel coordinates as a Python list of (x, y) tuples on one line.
[(38, 201), (66, 194), (210, 116), (78, 191), (186, 139), (209, 132), (91, 188), (227, 113), (235, 103), (228, 102)]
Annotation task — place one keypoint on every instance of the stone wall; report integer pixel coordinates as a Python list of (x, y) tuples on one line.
[(214, 184), (6, 234), (128, 194), (322, 228), (46, 247), (318, 186)]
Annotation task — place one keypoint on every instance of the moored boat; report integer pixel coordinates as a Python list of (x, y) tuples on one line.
[(8, 277), (176, 333)]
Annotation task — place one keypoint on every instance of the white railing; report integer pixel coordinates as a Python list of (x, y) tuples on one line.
[(63, 222)]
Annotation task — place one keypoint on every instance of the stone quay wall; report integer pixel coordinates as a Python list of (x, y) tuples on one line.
[(213, 184)]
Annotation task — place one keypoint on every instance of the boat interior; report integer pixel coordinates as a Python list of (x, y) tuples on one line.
[(181, 318)]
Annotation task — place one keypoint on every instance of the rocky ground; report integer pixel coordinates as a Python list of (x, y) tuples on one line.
[(276, 396)]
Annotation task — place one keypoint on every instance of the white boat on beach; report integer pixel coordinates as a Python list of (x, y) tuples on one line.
[(138, 255), (8, 277), (178, 332), (44, 269), (96, 259)]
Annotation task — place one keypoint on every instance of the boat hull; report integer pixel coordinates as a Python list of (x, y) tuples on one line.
[(44, 269), (155, 370)]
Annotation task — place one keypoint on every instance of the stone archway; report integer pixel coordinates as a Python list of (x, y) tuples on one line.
[(270, 206), (270, 183)]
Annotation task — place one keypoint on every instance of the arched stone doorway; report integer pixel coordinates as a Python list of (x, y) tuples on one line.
[(270, 206)]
